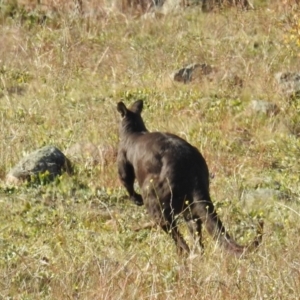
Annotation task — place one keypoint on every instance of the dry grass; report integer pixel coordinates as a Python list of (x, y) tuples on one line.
[(60, 80)]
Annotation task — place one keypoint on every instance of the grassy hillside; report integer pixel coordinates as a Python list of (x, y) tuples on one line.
[(78, 238)]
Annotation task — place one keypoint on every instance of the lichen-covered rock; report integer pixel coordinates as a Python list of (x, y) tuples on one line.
[(264, 107), (261, 198), (208, 5), (47, 159), (289, 83), (192, 72), (170, 6)]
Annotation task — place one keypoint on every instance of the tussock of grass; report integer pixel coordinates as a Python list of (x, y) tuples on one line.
[(60, 81)]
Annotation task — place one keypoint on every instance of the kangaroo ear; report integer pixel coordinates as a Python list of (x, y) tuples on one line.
[(137, 106), (122, 109)]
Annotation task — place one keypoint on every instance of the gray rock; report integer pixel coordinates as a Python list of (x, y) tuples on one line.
[(264, 107), (261, 193), (170, 6), (262, 197), (48, 158), (208, 5), (289, 82), (192, 72), (140, 7)]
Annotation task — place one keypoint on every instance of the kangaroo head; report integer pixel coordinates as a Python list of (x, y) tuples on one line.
[(131, 118)]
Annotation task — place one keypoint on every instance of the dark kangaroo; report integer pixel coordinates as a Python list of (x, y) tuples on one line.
[(174, 179)]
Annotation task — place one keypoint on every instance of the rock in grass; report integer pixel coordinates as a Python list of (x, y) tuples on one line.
[(192, 72), (48, 160), (169, 6), (289, 83), (260, 198), (262, 194), (264, 107)]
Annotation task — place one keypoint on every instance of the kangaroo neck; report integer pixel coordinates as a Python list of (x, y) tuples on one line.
[(131, 135), (128, 131)]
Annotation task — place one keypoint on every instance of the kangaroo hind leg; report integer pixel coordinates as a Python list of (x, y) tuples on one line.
[(194, 224), (166, 219)]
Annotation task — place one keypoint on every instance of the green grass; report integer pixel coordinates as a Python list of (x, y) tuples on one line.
[(59, 84)]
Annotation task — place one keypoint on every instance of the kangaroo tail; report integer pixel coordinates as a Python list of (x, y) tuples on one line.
[(206, 211), (239, 250)]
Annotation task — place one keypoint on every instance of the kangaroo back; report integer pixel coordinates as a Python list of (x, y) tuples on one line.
[(173, 178)]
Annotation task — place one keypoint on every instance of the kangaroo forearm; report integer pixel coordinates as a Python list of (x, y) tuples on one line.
[(133, 195)]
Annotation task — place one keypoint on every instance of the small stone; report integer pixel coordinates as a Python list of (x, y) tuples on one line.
[(47, 159), (261, 193), (261, 198), (192, 72), (264, 107), (288, 82)]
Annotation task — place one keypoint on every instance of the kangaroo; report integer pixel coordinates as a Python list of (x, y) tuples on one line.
[(173, 178)]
